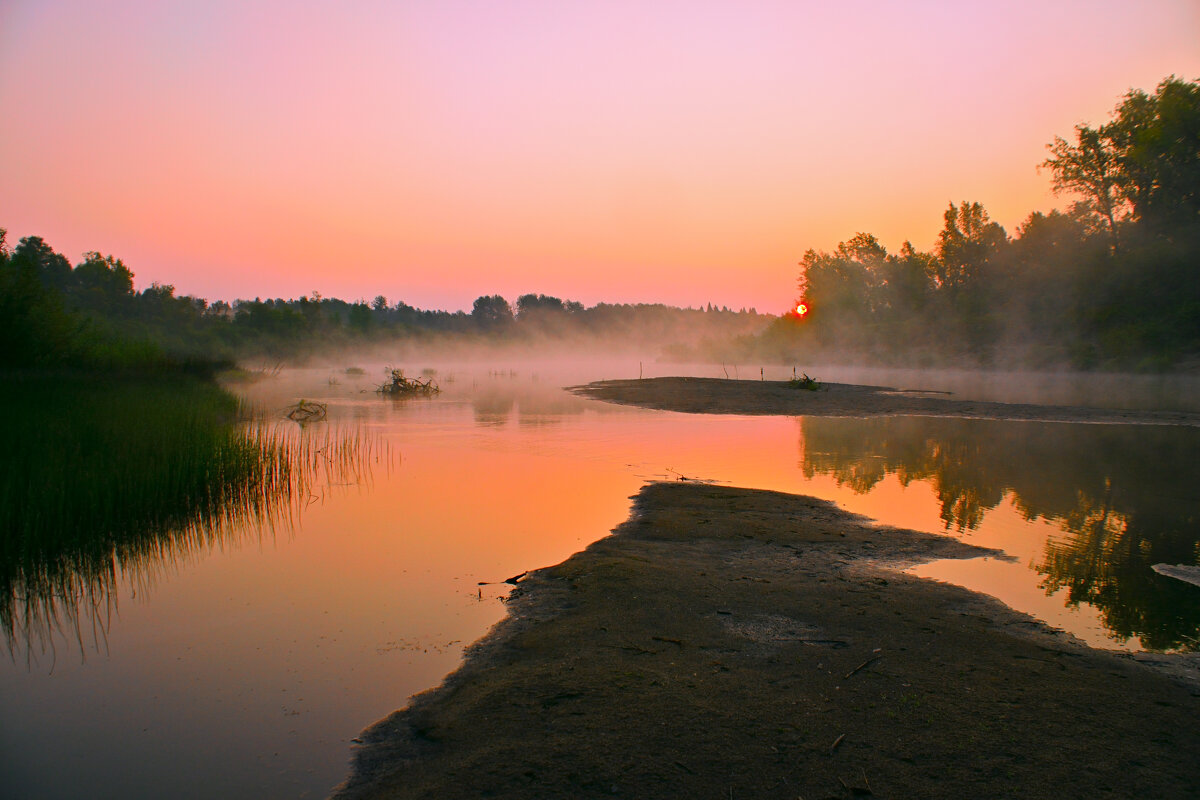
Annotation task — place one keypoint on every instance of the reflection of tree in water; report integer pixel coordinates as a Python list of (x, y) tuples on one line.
[(1105, 560), (859, 453), (125, 481), (500, 397), (1123, 496)]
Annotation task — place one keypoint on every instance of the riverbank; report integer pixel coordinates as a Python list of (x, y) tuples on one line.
[(716, 396), (748, 643)]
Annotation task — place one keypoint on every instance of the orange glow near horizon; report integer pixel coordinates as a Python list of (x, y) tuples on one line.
[(677, 153), (801, 309)]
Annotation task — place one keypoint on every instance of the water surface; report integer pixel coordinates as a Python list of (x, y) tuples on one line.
[(240, 659)]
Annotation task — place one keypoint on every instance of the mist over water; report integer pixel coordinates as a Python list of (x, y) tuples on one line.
[(249, 660)]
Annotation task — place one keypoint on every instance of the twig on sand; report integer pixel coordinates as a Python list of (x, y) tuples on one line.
[(865, 664), (833, 747)]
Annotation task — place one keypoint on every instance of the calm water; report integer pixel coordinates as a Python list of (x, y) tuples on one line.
[(239, 657)]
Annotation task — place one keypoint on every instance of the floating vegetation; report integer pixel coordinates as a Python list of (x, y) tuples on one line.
[(806, 383), (355, 371), (399, 386), (307, 411)]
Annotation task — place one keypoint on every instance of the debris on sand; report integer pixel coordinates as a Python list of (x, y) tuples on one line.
[(807, 383)]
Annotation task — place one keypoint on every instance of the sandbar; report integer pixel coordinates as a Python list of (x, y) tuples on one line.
[(717, 396), (729, 642)]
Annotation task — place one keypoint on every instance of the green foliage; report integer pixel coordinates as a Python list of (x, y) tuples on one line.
[(114, 477), (141, 458), (1127, 505), (1143, 165), (491, 312), (1113, 283), (806, 383)]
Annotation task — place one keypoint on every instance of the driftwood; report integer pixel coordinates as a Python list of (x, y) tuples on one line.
[(399, 386), (1182, 572), (305, 411)]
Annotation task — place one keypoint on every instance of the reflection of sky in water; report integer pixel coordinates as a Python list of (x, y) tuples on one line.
[(246, 671)]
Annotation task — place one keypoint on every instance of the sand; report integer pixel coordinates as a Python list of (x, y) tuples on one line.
[(737, 643), (716, 396)]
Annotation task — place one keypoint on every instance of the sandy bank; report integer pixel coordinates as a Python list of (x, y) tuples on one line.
[(754, 644), (716, 396)]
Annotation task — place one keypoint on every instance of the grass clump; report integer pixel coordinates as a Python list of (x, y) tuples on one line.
[(118, 479), (806, 383)]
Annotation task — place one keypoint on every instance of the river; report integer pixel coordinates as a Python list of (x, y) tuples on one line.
[(243, 662)]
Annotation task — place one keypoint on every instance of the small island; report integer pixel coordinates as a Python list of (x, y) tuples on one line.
[(717, 396)]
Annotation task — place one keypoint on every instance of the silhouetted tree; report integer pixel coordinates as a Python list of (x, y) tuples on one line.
[(491, 311)]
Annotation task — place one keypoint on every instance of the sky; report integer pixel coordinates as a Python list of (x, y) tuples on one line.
[(652, 151)]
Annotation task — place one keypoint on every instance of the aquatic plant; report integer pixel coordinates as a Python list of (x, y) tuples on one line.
[(109, 480)]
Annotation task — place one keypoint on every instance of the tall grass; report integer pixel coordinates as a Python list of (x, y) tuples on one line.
[(107, 479)]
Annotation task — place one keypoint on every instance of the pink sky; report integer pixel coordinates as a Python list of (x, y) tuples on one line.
[(677, 152)]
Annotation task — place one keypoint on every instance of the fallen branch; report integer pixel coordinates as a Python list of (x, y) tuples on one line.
[(400, 386), (864, 665), (304, 411)]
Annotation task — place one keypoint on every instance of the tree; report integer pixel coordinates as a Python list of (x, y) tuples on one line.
[(1157, 140), (360, 317), (530, 304), (101, 283), (1143, 165), (51, 268), (1090, 168), (967, 242), (491, 311)]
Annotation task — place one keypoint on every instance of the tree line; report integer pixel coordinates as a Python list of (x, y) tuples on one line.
[(89, 315), (1112, 282)]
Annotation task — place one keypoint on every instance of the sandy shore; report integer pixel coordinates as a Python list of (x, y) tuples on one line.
[(716, 396), (741, 643)]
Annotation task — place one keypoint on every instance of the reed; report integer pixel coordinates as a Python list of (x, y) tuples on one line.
[(107, 480)]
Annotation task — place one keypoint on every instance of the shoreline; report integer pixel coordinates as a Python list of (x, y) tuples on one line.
[(746, 641), (750, 397)]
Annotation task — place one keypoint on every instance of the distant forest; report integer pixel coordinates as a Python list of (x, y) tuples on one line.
[(88, 315), (1111, 283)]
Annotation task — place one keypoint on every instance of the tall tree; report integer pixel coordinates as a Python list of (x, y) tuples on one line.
[(1157, 138), (1090, 168), (966, 244), (1144, 164)]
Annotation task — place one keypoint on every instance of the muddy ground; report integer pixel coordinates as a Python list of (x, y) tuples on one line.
[(716, 396), (736, 643)]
